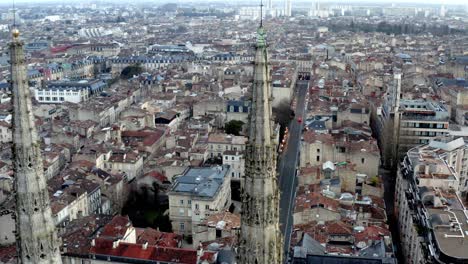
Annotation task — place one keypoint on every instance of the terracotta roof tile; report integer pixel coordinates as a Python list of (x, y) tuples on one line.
[(224, 220), (105, 247), (117, 227), (157, 238), (339, 228)]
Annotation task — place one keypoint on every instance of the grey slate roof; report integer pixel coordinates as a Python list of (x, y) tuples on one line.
[(329, 259), (201, 181), (308, 245)]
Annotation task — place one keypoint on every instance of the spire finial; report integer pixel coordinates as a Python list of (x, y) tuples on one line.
[(261, 13), (14, 14), (15, 32), (261, 30)]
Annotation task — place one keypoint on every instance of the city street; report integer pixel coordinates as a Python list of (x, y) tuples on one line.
[(288, 165)]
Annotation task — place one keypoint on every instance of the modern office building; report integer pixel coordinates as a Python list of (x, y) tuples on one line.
[(431, 203), (57, 92)]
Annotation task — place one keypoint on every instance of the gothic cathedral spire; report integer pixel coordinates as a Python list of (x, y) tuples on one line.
[(260, 237), (36, 239)]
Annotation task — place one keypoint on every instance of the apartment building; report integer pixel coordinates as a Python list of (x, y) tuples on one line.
[(339, 147), (420, 121), (196, 194), (220, 142), (129, 163), (6, 134), (431, 207), (235, 160), (65, 91)]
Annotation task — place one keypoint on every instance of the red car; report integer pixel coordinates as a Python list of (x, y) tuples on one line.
[(299, 119)]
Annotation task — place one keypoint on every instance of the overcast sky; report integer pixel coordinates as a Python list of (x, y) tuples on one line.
[(276, 1)]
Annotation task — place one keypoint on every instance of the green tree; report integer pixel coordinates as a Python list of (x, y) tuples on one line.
[(131, 70), (233, 127), (283, 113), (374, 180)]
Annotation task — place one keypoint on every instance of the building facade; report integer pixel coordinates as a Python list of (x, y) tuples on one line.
[(236, 161), (431, 205), (218, 143), (420, 121), (196, 194), (74, 92), (6, 135)]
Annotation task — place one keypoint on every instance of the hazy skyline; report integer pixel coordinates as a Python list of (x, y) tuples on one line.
[(448, 2)]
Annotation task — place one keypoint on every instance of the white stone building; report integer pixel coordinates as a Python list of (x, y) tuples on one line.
[(235, 160), (220, 142), (64, 91), (6, 135), (128, 163), (432, 217), (196, 194)]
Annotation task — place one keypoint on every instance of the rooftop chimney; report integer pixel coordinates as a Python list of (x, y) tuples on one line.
[(200, 250), (115, 244)]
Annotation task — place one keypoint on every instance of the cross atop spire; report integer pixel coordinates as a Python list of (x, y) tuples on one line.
[(14, 14), (14, 32), (260, 235), (261, 31), (261, 13)]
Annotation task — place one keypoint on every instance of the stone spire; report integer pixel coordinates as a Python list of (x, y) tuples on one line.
[(260, 236), (35, 230)]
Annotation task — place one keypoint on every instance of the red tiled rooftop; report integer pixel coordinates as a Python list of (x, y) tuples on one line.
[(371, 232), (157, 238), (125, 157), (147, 138), (136, 251), (316, 231), (339, 228), (339, 249), (83, 164), (117, 227), (208, 256), (314, 199), (3, 164), (224, 220), (157, 175), (5, 124), (311, 137), (7, 254)]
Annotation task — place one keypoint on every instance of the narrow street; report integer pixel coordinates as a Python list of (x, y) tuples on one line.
[(288, 165), (389, 181)]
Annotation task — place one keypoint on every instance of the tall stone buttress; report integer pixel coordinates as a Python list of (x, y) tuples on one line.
[(36, 239), (260, 235)]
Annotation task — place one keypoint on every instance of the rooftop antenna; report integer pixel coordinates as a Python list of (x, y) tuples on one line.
[(261, 13)]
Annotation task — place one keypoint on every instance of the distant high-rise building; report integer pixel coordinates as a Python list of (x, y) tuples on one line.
[(260, 236), (287, 8), (442, 11), (36, 239), (269, 4), (315, 9)]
